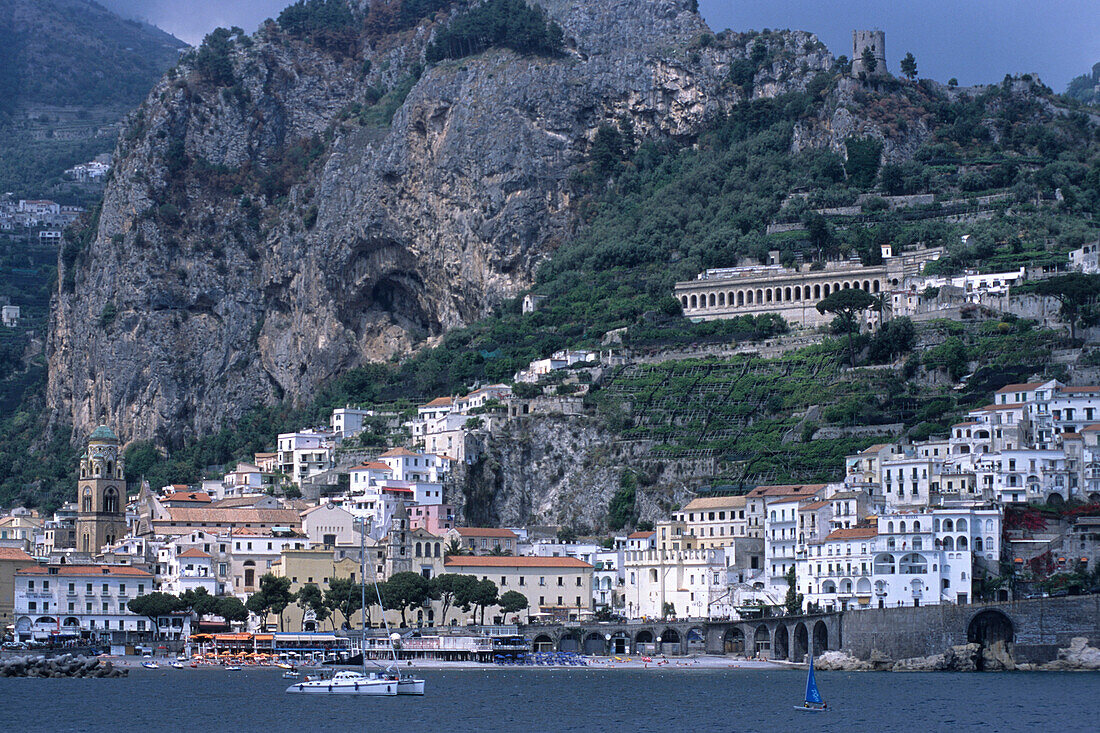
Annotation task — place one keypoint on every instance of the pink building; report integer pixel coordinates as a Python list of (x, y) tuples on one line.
[(433, 518)]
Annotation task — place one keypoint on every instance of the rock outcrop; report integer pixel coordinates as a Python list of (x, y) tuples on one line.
[(65, 665), (265, 231)]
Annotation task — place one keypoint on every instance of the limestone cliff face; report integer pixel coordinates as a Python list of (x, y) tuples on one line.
[(562, 470), (263, 234)]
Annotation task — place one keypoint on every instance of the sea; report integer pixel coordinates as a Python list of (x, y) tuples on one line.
[(537, 700)]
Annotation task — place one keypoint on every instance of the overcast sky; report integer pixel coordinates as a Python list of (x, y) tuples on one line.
[(976, 41)]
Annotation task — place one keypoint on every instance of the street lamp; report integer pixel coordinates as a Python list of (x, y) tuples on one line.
[(607, 637), (657, 650)]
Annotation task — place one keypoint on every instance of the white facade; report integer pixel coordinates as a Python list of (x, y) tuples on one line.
[(76, 600), (304, 454)]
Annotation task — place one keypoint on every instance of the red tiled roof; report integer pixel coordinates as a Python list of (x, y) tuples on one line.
[(193, 552), (485, 532), (393, 452), (786, 490), (373, 466), (64, 570), (1072, 390), (489, 561), (14, 553), (438, 402), (1022, 387), (852, 533), (1091, 428), (195, 496), (1009, 406), (640, 535)]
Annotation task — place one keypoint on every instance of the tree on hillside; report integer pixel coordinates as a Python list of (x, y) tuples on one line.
[(198, 601), (454, 547), (479, 595), (273, 596), (231, 609), (450, 588), (870, 63), (310, 598), (1078, 293), (794, 599), (154, 605), (406, 590), (345, 596), (847, 304), (512, 602), (909, 66)]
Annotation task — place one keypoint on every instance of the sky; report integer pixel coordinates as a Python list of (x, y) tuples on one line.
[(975, 41)]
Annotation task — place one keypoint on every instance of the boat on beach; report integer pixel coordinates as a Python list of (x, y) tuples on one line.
[(178, 665), (150, 665)]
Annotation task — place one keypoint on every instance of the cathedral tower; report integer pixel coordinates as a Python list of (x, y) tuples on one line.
[(100, 493)]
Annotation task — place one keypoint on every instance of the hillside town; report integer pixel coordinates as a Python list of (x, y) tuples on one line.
[(941, 521)]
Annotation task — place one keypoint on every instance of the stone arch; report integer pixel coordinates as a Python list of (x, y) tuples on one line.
[(684, 301), (787, 294), (750, 297), (86, 501), (417, 550), (821, 638), (825, 291), (645, 636), (836, 286), (740, 297), (696, 640), (782, 643), (710, 300), (595, 644), (817, 291), (1094, 496), (874, 286), (863, 587), (722, 298), (733, 641), (570, 641), (768, 295), (994, 632), (949, 544), (694, 301), (759, 296), (948, 525), (1055, 499), (729, 298), (801, 643), (543, 643), (762, 640), (807, 293)]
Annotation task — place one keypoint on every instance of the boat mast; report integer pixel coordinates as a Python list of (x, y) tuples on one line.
[(363, 591)]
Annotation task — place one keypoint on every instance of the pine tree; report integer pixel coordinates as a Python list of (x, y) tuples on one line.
[(909, 66)]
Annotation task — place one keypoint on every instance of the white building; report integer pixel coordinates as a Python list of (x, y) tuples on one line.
[(304, 454), (10, 315), (78, 600)]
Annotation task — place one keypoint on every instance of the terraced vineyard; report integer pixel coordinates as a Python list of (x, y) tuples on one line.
[(761, 420)]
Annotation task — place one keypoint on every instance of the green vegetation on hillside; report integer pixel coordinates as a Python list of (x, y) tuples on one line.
[(503, 23), (1084, 88)]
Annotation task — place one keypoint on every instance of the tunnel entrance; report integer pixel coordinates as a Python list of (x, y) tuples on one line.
[(994, 634)]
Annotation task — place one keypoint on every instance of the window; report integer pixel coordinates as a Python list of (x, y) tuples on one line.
[(504, 580), (72, 588), (561, 581)]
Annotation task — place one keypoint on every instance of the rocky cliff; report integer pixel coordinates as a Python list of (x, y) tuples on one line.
[(282, 210)]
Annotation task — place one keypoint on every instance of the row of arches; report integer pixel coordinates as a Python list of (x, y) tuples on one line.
[(764, 296), (791, 643), (426, 549), (668, 641)]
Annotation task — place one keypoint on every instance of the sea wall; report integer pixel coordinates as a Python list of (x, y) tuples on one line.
[(1035, 632), (65, 665)]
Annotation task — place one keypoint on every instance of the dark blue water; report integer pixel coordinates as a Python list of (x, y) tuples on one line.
[(532, 701)]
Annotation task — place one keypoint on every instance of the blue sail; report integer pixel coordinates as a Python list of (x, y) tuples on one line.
[(812, 695)]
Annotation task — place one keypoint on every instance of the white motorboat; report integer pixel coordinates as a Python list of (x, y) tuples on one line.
[(150, 665), (347, 682), (291, 674), (410, 686), (178, 665)]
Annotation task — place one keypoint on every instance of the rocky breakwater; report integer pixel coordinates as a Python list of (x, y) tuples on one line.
[(1079, 656), (65, 665)]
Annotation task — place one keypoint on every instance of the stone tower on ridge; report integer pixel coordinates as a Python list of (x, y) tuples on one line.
[(100, 493), (874, 40)]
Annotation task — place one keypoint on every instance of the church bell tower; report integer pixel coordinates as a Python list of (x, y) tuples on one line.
[(100, 493)]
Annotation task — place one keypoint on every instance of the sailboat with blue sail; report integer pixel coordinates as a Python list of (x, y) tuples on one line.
[(814, 703)]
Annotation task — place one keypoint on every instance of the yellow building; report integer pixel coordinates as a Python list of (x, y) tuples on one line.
[(554, 586), (318, 567), (11, 559), (713, 521)]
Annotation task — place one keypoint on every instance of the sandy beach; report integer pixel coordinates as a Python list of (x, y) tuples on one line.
[(700, 662)]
